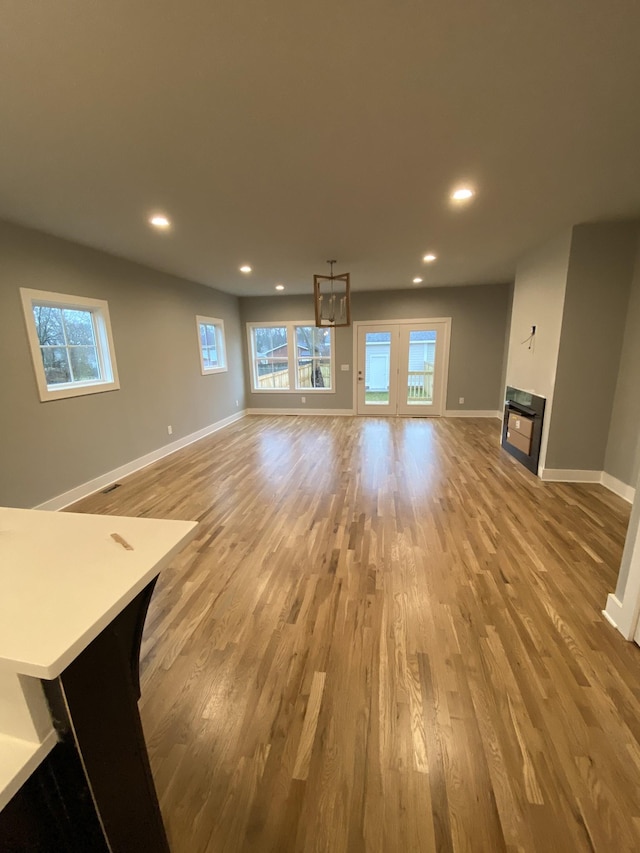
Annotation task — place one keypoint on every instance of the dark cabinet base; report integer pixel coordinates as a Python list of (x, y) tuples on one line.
[(94, 792), (53, 812)]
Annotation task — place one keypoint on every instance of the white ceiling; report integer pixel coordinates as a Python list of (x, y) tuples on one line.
[(282, 133)]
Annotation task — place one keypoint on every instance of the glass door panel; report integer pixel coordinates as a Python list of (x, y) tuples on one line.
[(377, 356), (422, 347), (421, 359), (377, 363), (401, 368)]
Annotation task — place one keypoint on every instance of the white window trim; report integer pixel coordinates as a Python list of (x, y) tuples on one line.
[(104, 339), (221, 344), (290, 327)]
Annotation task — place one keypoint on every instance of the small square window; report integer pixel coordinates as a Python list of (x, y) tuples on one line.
[(213, 358), (71, 344)]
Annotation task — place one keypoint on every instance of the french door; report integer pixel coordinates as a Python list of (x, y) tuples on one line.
[(401, 367)]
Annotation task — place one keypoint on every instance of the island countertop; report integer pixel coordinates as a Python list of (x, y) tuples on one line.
[(63, 578)]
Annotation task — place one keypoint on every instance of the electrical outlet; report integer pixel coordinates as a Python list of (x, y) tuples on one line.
[(303, 399), (237, 403), (460, 400), (170, 430)]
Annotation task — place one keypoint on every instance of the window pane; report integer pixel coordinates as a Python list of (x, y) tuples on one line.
[(317, 341), (203, 335), (304, 337), (84, 364), (314, 374), (48, 325), (313, 357), (212, 343), (210, 357), (56, 365), (273, 373), (211, 335), (79, 327), (271, 357), (270, 338)]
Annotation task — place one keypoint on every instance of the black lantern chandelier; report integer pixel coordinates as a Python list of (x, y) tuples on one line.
[(332, 295)]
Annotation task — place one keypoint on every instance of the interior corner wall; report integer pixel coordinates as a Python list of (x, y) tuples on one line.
[(629, 545), (538, 300), (505, 357), (479, 320), (51, 447), (600, 270), (622, 458)]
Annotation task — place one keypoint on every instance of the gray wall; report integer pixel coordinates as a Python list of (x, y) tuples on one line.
[(599, 275), (538, 300), (478, 328), (622, 458), (582, 291), (48, 448), (270, 309)]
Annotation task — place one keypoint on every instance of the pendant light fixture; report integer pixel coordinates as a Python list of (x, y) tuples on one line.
[(332, 296)]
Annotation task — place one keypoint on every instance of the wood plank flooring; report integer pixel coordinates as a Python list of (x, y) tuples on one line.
[(387, 636)]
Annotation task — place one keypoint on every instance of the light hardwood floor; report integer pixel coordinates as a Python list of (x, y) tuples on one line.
[(386, 637)]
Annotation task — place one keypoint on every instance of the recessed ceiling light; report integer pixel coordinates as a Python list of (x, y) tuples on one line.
[(428, 259), (417, 281), (245, 268), (160, 221), (462, 194), (279, 286)]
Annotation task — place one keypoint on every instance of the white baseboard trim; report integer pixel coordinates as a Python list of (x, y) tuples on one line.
[(613, 610), (332, 412), (86, 489), (471, 413), (570, 475), (618, 487), (449, 413)]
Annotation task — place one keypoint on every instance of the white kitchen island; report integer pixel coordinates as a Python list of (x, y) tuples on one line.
[(74, 590)]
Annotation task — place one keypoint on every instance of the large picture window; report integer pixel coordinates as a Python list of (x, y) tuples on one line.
[(213, 358), (71, 344), (291, 357)]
